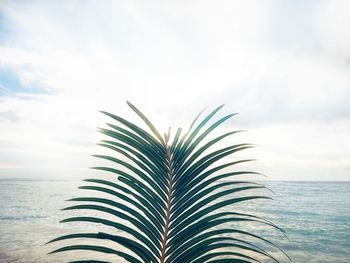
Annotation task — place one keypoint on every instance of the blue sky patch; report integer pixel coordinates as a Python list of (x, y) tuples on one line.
[(10, 85), (4, 27)]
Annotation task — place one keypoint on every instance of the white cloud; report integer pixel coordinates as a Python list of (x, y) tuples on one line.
[(285, 70), (10, 116)]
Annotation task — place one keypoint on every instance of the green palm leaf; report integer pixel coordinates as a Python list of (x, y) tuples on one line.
[(167, 200)]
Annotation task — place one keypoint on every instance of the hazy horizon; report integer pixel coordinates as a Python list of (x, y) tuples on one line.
[(82, 178)]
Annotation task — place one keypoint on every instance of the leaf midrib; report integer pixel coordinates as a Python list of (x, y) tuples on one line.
[(169, 158)]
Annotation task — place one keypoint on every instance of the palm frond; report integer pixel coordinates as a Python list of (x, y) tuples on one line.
[(174, 195)]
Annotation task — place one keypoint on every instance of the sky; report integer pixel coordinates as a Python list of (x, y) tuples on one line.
[(284, 66)]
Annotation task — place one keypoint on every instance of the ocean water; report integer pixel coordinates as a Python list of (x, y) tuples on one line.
[(315, 215)]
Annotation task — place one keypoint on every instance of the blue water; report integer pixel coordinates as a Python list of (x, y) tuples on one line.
[(315, 215)]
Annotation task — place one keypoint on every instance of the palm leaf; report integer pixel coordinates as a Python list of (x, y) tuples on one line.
[(168, 198)]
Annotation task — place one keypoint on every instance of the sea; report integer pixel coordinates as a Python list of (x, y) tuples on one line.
[(315, 216)]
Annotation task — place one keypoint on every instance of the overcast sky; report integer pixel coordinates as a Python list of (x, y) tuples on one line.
[(283, 65)]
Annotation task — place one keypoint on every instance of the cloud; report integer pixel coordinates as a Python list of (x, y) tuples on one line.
[(297, 90), (10, 116)]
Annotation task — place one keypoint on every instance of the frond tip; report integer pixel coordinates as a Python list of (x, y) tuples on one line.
[(170, 200)]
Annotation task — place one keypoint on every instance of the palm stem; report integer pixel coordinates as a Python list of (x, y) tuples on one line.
[(169, 157)]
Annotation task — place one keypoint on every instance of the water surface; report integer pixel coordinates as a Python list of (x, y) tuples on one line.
[(315, 215)]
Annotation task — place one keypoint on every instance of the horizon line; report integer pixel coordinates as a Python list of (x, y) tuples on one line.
[(80, 179)]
